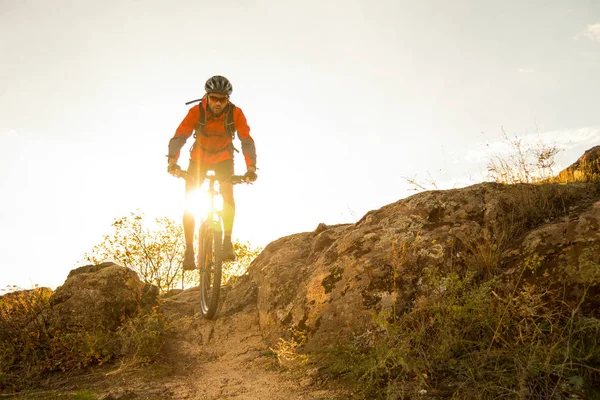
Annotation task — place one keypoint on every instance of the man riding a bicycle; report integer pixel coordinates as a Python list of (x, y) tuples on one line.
[(213, 122)]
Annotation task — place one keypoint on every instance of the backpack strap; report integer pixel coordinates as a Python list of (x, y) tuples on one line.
[(230, 125), (229, 122), (199, 128), (201, 123)]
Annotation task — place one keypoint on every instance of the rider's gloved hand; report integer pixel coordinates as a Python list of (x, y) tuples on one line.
[(251, 174), (172, 167)]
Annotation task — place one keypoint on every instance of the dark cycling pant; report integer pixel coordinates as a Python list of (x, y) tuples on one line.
[(223, 170)]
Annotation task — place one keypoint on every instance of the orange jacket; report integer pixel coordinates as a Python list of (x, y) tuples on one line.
[(216, 145)]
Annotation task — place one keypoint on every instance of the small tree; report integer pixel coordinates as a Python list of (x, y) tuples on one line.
[(155, 251)]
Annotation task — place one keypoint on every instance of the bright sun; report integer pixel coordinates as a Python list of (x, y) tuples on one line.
[(197, 202)]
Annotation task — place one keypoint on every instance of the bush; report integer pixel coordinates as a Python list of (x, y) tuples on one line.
[(474, 338), (154, 249), (245, 254), (525, 162), (30, 348)]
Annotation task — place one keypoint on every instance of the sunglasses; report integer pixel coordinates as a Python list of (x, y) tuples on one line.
[(218, 99)]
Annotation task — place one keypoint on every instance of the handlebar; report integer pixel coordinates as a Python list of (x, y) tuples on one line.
[(234, 179)]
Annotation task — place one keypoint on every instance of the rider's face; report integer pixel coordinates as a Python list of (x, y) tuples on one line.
[(217, 102)]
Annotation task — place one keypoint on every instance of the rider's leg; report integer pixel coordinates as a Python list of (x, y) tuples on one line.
[(225, 170), (228, 207), (188, 233), (228, 216), (192, 183), (188, 228)]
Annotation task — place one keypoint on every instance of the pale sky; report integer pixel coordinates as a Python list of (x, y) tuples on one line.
[(344, 98)]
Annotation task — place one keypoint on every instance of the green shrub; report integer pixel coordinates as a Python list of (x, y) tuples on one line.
[(473, 339)]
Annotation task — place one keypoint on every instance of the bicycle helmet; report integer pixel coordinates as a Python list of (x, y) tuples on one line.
[(218, 84)]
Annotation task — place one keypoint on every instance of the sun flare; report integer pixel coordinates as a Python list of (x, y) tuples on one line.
[(197, 202)]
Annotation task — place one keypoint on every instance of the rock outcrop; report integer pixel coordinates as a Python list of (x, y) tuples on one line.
[(99, 296), (329, 284), (585, 169)]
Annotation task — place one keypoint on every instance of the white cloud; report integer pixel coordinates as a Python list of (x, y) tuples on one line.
[(571, 144), (571, 140), (593, 32)]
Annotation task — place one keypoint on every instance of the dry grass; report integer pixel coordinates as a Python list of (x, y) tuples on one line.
[(476, 333), (30, 348), (526, 163), (479, 340)]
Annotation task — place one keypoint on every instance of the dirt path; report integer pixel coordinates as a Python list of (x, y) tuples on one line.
[(206, 360), (222, 359)]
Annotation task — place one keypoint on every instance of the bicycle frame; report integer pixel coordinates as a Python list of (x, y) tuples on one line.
[(213, 214), (209, 242)]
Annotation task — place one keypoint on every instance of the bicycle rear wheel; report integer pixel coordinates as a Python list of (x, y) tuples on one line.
[(210, 261)]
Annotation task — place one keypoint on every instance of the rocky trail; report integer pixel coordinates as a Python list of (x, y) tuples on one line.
[(229, 359), (222, 359)]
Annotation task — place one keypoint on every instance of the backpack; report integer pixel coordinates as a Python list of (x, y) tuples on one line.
[(229, 123)]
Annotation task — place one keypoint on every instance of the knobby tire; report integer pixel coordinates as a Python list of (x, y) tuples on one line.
[(210, 260)]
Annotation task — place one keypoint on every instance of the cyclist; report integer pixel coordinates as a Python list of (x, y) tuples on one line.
[(212, 150)]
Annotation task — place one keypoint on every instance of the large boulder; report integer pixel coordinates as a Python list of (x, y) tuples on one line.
[(329, 284), (99, 296)]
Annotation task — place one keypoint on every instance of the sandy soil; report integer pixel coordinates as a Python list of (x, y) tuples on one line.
[(222, 359)]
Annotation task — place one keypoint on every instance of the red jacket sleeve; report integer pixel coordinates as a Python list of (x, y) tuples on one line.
[(183, 132), (243, 130)]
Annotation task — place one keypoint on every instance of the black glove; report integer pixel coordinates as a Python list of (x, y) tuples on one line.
[(250, 176)]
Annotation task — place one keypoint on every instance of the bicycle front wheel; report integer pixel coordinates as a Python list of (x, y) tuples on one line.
[(210, 241)]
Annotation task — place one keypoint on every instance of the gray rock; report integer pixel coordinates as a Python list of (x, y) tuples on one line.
[(99, 296)]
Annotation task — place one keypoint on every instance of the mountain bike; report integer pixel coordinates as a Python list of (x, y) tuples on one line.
[(209, 248)]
